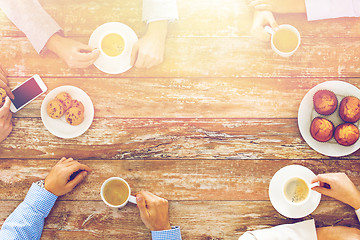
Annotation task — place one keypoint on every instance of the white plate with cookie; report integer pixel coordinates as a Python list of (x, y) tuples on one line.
[(60, 127)]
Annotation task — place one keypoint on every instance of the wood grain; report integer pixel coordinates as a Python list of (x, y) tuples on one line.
[(198, 219), (173, 179), (206, 57), (164, 139)]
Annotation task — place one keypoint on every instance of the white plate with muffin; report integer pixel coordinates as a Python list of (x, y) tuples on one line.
[(323, 118), (67, 112)]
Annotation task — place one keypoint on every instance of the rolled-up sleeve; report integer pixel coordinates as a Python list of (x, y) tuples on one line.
[(159, 9), (30, 17), (324, 9)]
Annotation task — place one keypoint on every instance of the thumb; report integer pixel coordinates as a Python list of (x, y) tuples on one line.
[(78, 179), (141, 205), (322, 190), (270, 18), (85, 48), (134, 54)]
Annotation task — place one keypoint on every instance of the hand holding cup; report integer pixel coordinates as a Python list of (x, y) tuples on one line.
[(338, 186)]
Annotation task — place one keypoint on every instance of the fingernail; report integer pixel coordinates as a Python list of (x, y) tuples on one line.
[(138, 198)]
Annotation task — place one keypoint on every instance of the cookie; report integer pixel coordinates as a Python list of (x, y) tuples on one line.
[(2, 96), (55, 109), (65, 98), (74, 116), (76, 103)]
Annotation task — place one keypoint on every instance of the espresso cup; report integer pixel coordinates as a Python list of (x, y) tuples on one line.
[(296, 190), (285, 40), (116, 192), (106, 35)]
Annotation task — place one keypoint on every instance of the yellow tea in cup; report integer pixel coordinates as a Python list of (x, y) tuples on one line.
[(116, 192), (113, 44), (285, 40)]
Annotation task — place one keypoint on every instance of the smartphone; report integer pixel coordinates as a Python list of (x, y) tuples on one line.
[(26, 92)]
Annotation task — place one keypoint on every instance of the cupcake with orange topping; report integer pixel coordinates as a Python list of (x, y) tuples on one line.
[(349, 109), (346, 134), (321, 129), (325, 102)]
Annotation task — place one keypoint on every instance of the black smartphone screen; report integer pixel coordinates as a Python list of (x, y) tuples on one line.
[(26, 92)]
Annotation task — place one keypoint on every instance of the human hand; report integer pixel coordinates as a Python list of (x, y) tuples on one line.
[(261, 19), (74, 53), (261, 5), (154, 211), (58, 181), (341, 188), (149, 50), (4, 82), (5, 120)]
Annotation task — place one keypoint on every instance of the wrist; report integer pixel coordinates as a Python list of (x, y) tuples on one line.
[(158, 28), (54, 42), (162, 228)]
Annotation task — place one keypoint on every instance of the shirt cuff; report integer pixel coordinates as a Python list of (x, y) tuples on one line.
[(324, 9), (159, 9), (172, 234), (40, 199), (358, 213)]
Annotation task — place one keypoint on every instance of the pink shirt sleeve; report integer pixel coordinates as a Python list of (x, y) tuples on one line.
[(32, 19), (324, 9)]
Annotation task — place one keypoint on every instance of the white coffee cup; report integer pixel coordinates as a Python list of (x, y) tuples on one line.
[(284, 26), (294, 179), (130, 198), (101, 40)]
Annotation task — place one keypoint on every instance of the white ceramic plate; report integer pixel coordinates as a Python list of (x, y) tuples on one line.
[(59, 127), (307, 113), (114, 65), (277, 198)]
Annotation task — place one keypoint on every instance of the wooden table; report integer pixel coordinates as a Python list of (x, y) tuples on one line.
[(207, 129)]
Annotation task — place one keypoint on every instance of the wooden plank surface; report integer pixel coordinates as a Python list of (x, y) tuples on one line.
[(198, 219), (165, 138), (207, 129), (209, 180)]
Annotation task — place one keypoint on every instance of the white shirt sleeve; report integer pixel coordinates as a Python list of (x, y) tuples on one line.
[(32, 19), (358, 213), (297, 231), (324, 9), (159, 9)]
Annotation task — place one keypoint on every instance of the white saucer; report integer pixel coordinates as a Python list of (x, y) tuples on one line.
[(114, 65), (307, 113), (59, 127), (277, 198)]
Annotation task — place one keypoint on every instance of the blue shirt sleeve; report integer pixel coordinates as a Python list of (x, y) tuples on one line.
[(172, 234), (27, 221)]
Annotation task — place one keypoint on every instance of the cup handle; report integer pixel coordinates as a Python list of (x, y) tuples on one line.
[(315, 184), (269, 30), (132, 199)]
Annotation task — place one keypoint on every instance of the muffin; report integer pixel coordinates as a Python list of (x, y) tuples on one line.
[(325, 102), (55, 109), (346, 134), (76, 103), (349, 110), (321, 129), (74, 116), (2, 96), (65, 98)]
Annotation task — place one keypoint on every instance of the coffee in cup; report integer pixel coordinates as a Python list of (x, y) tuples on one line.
[(296, 190), (285, 40), (112, 44), (116, 192)]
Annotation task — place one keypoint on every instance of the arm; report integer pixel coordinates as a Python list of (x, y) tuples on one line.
[(149, 50), (32, 19), (27, 221), (154, 212)]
